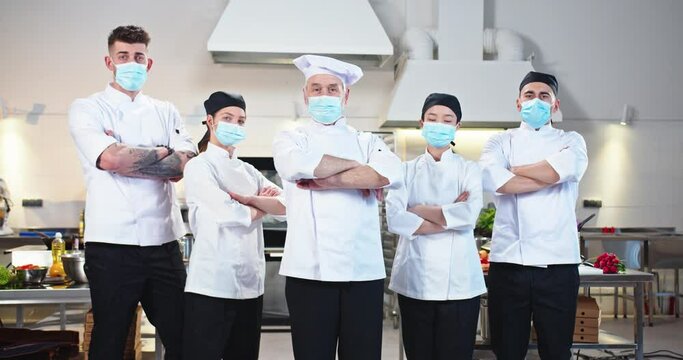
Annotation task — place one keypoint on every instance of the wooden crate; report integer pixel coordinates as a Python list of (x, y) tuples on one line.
[(587, 307)]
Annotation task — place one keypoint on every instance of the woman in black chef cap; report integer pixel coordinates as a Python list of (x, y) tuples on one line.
[(227, 198), (437, 273)]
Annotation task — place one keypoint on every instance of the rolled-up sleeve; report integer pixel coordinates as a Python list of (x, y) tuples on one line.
[(399, 220), (463, 215), (180, 139), (571, 162), (202, 191), (494, 165), (294, 156), (385, 163), (87, 130)]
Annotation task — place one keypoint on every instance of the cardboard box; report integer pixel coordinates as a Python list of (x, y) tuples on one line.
[(579, 338), (587, 307), (588, 322), (585, 330)]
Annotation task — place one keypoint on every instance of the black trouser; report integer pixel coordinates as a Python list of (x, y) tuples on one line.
[(217, 328), (120, 277), (323, 312), (518, 294), (439, 329)]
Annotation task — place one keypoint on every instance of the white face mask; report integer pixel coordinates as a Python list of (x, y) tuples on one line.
[(131, 75), (535, 112), (325, 109)]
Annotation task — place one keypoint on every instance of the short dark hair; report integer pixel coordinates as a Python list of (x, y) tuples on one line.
[(129, 34)]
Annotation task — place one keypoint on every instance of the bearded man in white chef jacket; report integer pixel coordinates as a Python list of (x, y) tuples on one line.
[(333, 259), (534, 172)]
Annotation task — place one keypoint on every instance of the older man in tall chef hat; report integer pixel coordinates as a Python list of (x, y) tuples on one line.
[(333, 260)]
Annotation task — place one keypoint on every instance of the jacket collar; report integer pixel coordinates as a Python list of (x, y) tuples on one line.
[(117, 98), (216, 152)]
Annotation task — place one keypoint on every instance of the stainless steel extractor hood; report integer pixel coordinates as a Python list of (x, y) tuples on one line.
[(486, 88), (276, 32)]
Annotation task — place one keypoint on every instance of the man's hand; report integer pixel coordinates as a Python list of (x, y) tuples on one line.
[(379, 194), (462, 197)]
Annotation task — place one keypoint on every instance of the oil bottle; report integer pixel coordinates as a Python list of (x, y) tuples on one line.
[(57, 268)]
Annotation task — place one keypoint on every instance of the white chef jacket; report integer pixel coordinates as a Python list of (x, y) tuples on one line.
[(332, 235), (227, 259), (537, 228), (125, 210), (445, 265)]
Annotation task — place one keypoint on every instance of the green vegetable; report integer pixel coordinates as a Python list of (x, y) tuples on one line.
[(484, 225), (5, 276)]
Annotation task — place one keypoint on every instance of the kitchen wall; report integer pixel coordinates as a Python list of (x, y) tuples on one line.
[(52, 52)]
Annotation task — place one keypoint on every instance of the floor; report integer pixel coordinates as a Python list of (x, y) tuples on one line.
[(667, 334)]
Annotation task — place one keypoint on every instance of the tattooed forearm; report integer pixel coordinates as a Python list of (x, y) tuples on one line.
[(150, 163), (170, 167), (166, 168)]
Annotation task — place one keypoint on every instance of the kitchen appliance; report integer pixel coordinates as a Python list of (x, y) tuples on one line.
[(73, 266), (451, 60), (303, 27)]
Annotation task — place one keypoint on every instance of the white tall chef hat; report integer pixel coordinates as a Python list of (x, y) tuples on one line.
[(314, 64)]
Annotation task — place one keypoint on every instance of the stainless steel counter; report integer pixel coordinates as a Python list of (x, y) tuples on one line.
[(662, 248), (591, 277)]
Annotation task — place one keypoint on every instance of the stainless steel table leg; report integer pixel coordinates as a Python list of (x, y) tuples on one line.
[(676, 294), (20, 316), (638, 323), (650, 293), (623, 302), (650, 303), (62, 316), (616, 302)]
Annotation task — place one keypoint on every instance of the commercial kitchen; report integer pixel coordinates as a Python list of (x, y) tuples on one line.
[(620, 82)]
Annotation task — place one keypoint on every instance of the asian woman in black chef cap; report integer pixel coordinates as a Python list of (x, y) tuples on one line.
[(437, 273)]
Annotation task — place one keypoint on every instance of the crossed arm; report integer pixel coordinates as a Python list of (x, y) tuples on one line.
[(337, 173), (266, 202), (530, 178), (434, 220), (149, 163)]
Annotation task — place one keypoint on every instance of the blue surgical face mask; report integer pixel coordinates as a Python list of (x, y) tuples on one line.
[(325, 109), (131, 75), (535, 113), (229, 134), (438, 134)]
